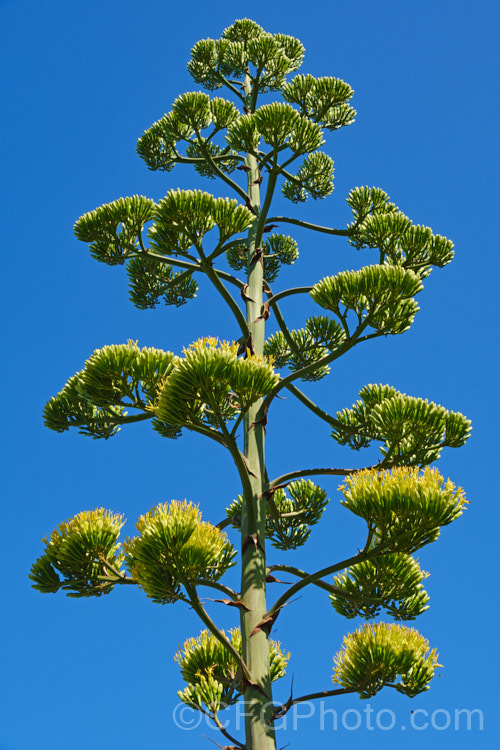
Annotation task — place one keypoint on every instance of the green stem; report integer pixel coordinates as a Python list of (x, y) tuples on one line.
[(218, 586), (192, 267), (200, 160), (224, 732), (342, 349), (207, 431), (231, 445), (273, 298), (288, 175), (308, 225), (330, 587), (256, 651), (313, 577), (221, 248), (246, 485), (205, 618), (112, 580), (312, 406), (286, 478), (237, 423), (273, 176), (167, 259), (117, 573), (173, 282), (230, 278), (265, 158), (226, 296), (112, 420), (146, 251), (220, 174), (229, 85), (282, 710), (285, 330), (225, 522), (254, 88)]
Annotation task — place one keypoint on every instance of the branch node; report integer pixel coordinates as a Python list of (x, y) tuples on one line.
[(263, 422), (244, 294), (267, 621), (257, 257), (246, 346), (252, 540), (265, 314), (249, 206)]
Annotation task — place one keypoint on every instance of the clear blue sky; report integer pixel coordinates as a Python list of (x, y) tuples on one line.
[(81, 82)]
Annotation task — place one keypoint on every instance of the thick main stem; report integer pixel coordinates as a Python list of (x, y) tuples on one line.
[(258, 698)]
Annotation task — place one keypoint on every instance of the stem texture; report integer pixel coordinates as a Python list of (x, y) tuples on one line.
[(258, 697)]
